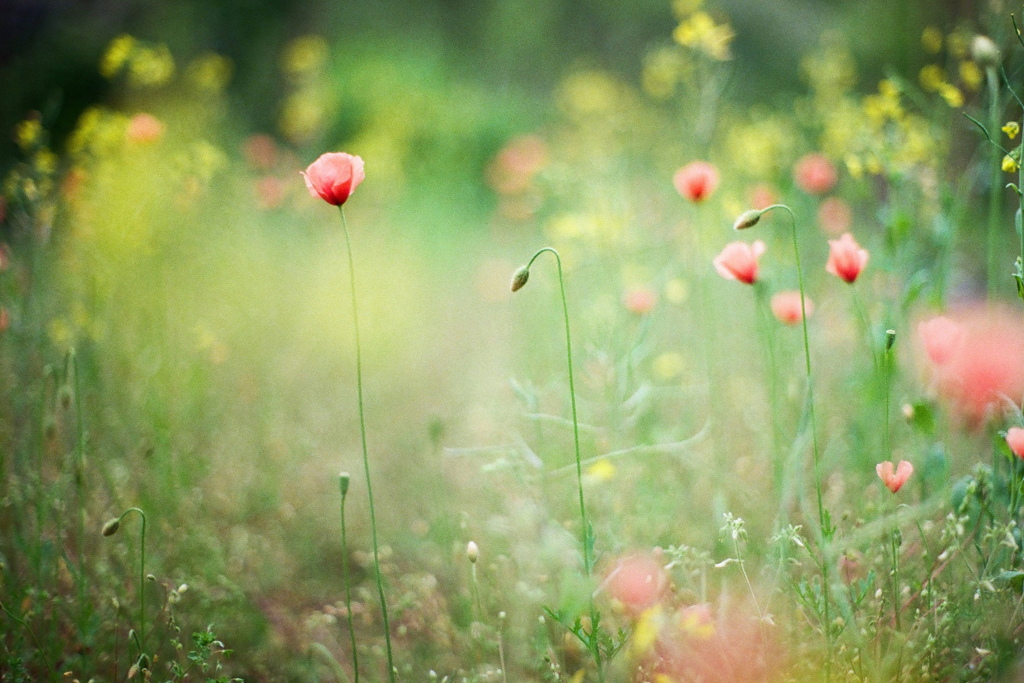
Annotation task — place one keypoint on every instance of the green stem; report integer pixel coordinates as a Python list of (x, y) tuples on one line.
[(865, 325), (771, 369), (39, 647), (586, 533), (343, 482), (825, 524), (142, 572), (995, 185), (366, 457), (79, 475)]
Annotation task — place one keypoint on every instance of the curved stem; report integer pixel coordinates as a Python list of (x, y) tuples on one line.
[(348, 589), (824, 522), (586, 533), (366, 457), (142, 573)]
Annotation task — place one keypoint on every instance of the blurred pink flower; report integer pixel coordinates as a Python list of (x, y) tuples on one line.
[(978, 359), (144, 128), (5, 320), (334, 177), (786, 307), (696, 181), (846, 258), (517, 163), (1015, 440), (761, 196), (637, 582), (738, 261), (835, 216), (941, 338), (894, 481), (815, 174), (640, 300), (270, 192), (260, 151)]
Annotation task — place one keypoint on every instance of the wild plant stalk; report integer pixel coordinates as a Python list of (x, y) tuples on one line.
[(343, 482), (826, 530), (109, 529), (79, 473), (586, 533), (366, 457), (890, 340), (995, 194), (772, 370)]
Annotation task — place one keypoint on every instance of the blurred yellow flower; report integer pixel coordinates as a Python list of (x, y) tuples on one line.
[(27, 133), (931, 77), (304, 55), (683, 8), (970, 74), (601, 471), (116, 55), (931, 39), (701, 32), (1010, 164), (669, 365), (45, 161), (210, 71), (645, 633), (150, 66), (661, 73), (952, 95), (676, 291), (588, 92), (1012, 129)]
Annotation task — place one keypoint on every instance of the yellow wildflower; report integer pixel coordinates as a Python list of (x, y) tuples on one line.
[(645, 634), (210, 71), (601, 471), (932, 77), (1010, 164), (116, 55), (684, 8), (150, 66), (931, 39), (1012, 129), (45, 161), (952, 95), (970, 74), (661, 72), (305, 54), (27, 133), (669, 365), (854, 165), (701, 32), (676, 291)]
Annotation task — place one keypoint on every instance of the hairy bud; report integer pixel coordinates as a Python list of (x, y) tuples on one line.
[(519, 278)]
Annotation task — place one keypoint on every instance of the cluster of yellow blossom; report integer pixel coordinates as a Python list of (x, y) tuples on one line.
[(698, 30), (305, 111), (144, 64)]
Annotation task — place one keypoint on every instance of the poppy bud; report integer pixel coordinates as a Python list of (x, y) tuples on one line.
[(343, 480), (747, 219), (890, 339), (519, 278), (472, 552), (111, 527)]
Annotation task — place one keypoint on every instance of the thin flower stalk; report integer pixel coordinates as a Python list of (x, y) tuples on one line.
[(343, 481)]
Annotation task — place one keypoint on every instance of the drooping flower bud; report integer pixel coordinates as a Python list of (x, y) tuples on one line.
[(747, 219), (520, 277), (985, 52), (111, 527), (472, 552)]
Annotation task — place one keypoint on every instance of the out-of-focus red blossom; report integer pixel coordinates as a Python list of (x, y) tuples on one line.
[(761, 196), (5, 257), (270, 192), (640, 300), (941, 337), (636, 582), (738, 261), (977, 359), (144, 128), (1015, 440), (334, 176), (786, 307), (516, 165), (72, 183), (846, 258), (696, 181), (834, 216), (5, 320), (260, 151), (815, 174), (729, 648), (894, 478)]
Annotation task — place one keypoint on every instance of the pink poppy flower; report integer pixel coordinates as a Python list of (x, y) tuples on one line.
[(786, 307), (513, 169), (640, 300), (835, 216), (815, 174), (941, 337), (260, 151), (636, 582), (144, 128), (846, 258), (1015, 440), (334, 177), (894, 480), (738, 261), (696, 181), (761, 196)]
